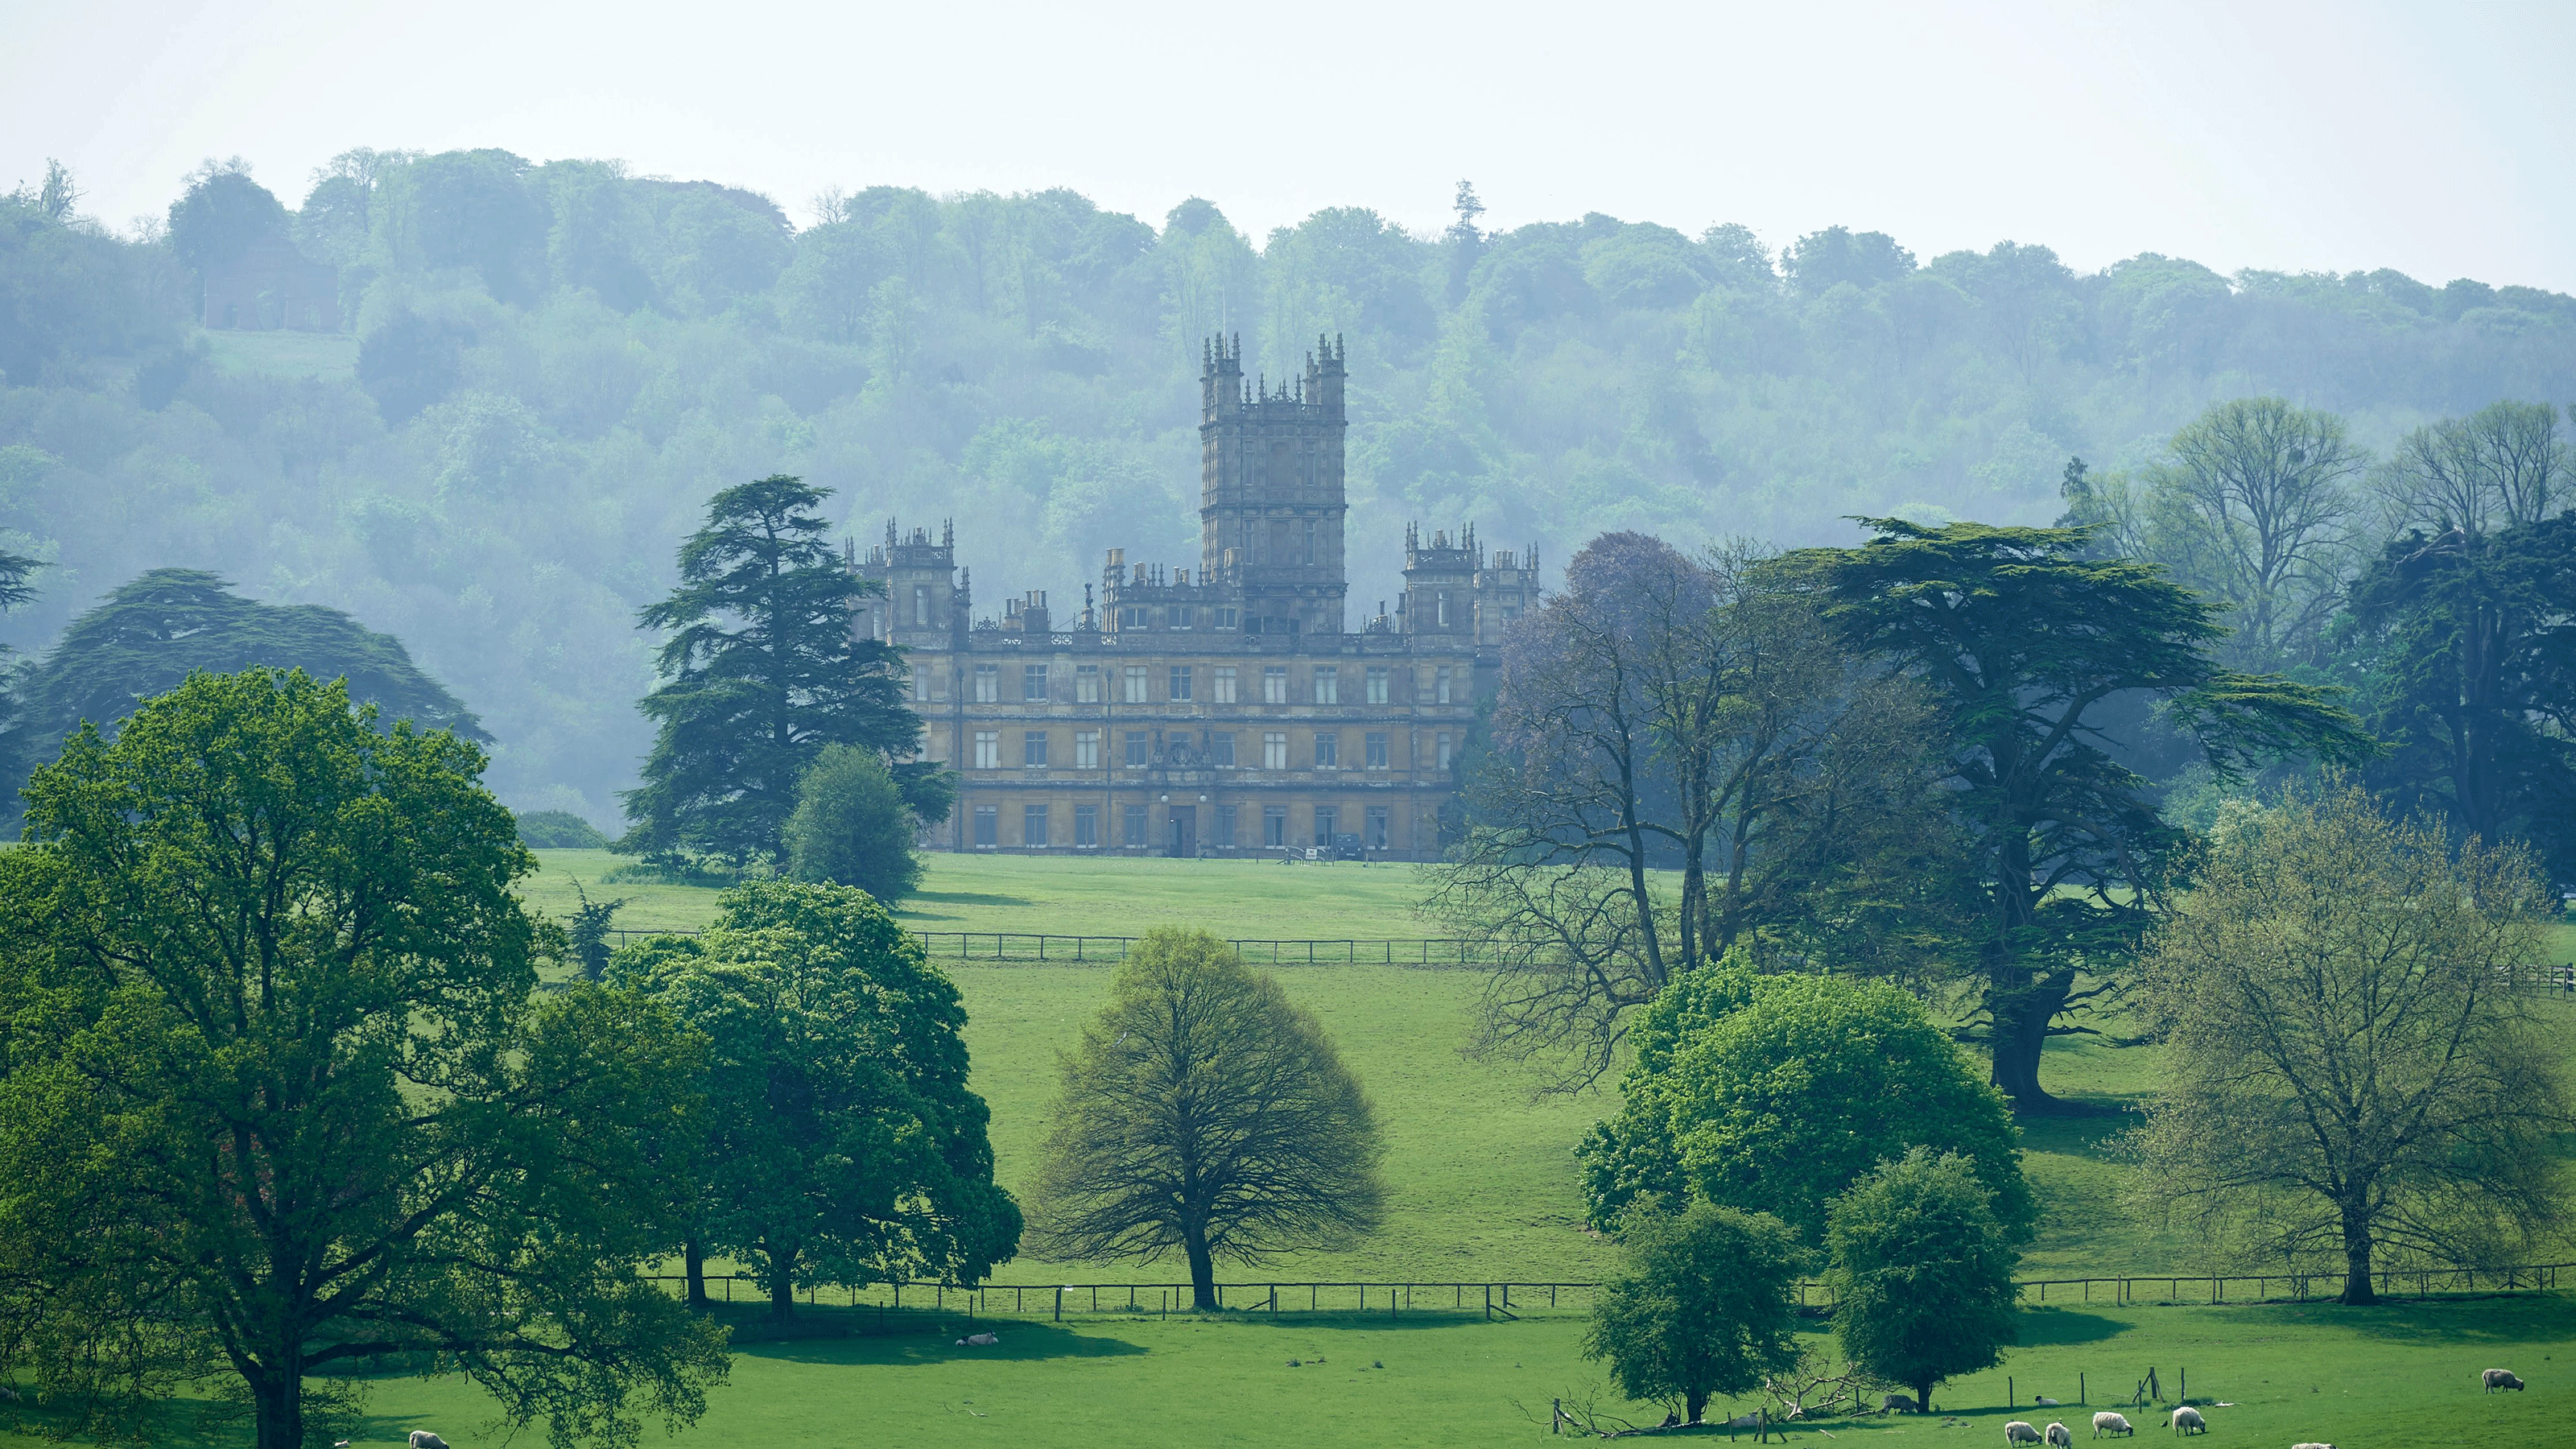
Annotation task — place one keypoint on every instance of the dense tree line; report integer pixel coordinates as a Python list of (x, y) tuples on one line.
[(554, 360)]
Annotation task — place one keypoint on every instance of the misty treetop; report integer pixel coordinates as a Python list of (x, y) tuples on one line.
[(552, 366)]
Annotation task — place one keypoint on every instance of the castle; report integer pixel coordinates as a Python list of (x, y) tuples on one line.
[(1222, 712)]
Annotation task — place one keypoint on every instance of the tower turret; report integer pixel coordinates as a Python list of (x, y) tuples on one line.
[(1271, 502)]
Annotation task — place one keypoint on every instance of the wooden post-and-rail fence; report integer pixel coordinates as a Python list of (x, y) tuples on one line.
[(1497, 1300), (1420, 953)]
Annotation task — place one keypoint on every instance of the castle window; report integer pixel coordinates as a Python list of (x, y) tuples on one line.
[(1223, 831), (1033, 683), (1033, 826), (1182, 616), (1377, 684), (1221, 748), (1140, 749), (1274, 825), (1375, 744), (1228, 619), (988, 683), (1223, 684), (1086, 825), (1033, 747), (1135, 680), (920, 684), (1328, 751), (1444, 608), (1375, 836), (1440, 686), (988, 749), (1328, 823), (921, 604), (1135, 825), (1086, 749), (988, 826), (1131, 616), (1443, 755), (1274, 750), (1274, 684), (1180, 681), (1328, 684), (1311, 556), (1086, 684)]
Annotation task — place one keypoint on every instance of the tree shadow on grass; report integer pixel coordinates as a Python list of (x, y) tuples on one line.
[(2090, 1134), (2532, 1318), (1019, 1342), (957, 898), (2042, 1327)]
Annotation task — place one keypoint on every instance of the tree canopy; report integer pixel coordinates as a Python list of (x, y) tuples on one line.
[(1922, 1273), (278, 1098), (153, 631), (1205, 1114), (1701, 1306)]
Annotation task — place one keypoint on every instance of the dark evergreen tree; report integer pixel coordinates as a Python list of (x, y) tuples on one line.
[(152, 633), (2465, 655), (762, 670), (2029, 647)]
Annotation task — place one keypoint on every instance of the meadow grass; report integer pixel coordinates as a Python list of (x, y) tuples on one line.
[(329, 356), (2358, 1378)]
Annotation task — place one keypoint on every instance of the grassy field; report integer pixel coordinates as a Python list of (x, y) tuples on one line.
[(330, 356), (2358, 1378), (1479, 1162)]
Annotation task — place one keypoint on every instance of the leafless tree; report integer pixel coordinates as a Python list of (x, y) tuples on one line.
[(2253, 507), (2501, 465)]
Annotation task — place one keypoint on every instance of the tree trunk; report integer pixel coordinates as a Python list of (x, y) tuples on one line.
[(782, 1286), (1923, 1397), (1202, 1267), (696, 1255), (2021, 1019), (278, 1406), (1694, 1404), (2356, 1257)]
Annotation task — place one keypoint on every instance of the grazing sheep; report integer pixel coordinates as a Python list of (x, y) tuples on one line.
[(978, 1340), (2312, 1446), (1743, 1421), (2187, 1420), (2018, 1432), (2045, 1402), (2107, 1422), (2495, 1379), (1899, 1404), (423, 1439), (2058, 1436)]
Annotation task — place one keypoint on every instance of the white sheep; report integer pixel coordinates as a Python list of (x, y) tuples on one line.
[(2495, 1379), (2059, 1436), (2045, 1402), (2018, 1432), (979, 1340), (2312, 1446), (2107, 1422), (423, 1439), (1899, 1404), (2187, 1420)]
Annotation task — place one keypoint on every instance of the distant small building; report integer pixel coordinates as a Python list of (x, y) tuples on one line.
[(271, 287), (1224, 711)]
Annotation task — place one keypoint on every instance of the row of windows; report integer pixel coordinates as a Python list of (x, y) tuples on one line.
[(1224, 684), (1325, 824), (1325, 752), (1178, 616)]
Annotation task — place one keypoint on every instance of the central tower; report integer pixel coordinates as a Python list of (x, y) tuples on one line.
[(1270, 489)]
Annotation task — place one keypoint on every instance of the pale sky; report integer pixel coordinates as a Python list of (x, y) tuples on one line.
[(2436, 139)]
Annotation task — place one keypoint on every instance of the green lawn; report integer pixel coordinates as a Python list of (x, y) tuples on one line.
[(330, 356), (2358, 1378)]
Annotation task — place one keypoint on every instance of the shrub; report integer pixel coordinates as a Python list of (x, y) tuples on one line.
[(851, 826)]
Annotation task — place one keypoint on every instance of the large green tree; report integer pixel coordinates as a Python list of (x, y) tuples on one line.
[(1700, 1307), (842, 1143), (1775, 1093), (2354, 1063), (278, 1097), (1203, 1112), (2030, 647), (851, 826), (763, 668), (157, 628)]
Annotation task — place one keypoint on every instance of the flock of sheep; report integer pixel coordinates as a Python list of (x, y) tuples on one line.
[(2186, 1420)]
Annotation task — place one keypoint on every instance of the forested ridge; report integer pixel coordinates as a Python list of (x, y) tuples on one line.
[(545, 371)]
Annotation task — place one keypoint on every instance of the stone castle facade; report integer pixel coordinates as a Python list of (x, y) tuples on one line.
[(1225, 710)]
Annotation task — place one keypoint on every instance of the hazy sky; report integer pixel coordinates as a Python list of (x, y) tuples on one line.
[(2431, 138)]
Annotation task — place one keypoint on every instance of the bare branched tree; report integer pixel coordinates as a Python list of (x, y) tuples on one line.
[(2355, 1067), (2254, 509), (1204, 1113), (1682, 761), (2503, 464)]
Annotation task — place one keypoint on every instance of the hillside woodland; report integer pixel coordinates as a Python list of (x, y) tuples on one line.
[(545, 370)]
